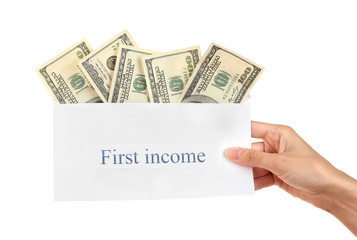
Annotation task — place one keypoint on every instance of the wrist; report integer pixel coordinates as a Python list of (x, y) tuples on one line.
[(341, 200), (341, 190)]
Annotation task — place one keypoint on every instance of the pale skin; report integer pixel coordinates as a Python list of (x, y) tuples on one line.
[(284, 159)]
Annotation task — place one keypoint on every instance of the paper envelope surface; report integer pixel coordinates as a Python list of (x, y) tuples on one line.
[(149, 151)]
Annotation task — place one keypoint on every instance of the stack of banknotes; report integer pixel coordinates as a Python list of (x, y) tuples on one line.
[(121, 72)]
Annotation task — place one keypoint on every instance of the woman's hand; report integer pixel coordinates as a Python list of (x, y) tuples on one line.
[(284, 159)]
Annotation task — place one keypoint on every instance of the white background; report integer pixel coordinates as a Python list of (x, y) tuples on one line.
[(307, 47)]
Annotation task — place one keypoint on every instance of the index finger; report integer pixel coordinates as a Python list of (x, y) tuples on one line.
[(260, 129)]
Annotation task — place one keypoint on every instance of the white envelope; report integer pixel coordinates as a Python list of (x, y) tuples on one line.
[(115, 151)]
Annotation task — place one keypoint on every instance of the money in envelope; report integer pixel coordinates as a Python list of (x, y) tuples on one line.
[(143, 149)]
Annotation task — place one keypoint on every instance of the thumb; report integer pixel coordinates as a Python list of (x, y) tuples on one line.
[(253, 158)]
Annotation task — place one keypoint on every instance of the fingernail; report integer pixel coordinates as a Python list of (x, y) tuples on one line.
[(233, 153)]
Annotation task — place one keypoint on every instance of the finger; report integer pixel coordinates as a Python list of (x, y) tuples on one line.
[(260, 129), (260, 172), (258, 146), (253, 158), (263, 182)]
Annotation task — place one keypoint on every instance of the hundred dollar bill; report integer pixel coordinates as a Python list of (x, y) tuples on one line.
[(63, 79), (222, 77), (129, 84), (99, 66), (167, 73)]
